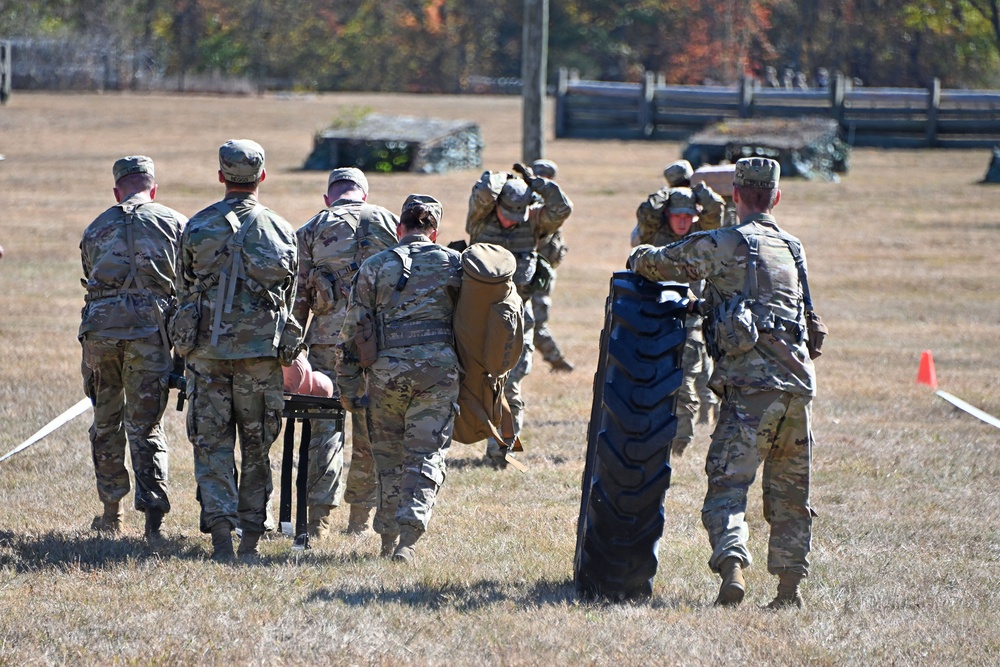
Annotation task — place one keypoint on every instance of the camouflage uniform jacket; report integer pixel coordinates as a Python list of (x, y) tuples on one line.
[(413, 323), (544, 219), (263, 296), (651, 217), (122, 304), (332, 247), (780, 359)]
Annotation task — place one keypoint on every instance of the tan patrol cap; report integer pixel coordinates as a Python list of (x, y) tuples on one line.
[(757, 172), (133, 164), (427, 203), (352, 174), (514, 199), (682, 200), (678, 172), (241, 160)]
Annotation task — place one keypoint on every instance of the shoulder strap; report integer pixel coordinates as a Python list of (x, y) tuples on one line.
[(133, 270), (796, 250), (403, 253), (750, 283), (232, 271)]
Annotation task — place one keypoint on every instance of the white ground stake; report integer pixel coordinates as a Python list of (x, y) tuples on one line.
[(972, 410)]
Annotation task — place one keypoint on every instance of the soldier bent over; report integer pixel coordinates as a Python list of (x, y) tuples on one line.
[(129, 255), (405, 297), (236, 285), (756, 273), (332, 246), (504, 210)]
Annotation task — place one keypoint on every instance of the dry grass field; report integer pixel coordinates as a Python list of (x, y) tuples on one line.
[(906, 557)]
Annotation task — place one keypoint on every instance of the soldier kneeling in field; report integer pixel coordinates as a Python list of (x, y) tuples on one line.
[(398, 332)]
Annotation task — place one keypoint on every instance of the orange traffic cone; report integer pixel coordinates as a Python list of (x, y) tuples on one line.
[(926, 374)]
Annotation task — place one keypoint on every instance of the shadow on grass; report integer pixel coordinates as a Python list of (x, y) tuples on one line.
[(30, 553), (457, 596)]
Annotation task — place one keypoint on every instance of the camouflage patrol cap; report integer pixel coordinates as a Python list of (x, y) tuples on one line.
[(757, 172), (133, 164), (678, 172), (427, 203), (682, 200), (544, 168), (352, 174), (514, 199), (241, 160)]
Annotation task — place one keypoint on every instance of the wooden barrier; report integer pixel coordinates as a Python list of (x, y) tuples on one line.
[(882, 117), (5, 72)]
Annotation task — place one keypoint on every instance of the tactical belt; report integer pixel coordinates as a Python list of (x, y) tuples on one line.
[(404, 334), (95, 294)]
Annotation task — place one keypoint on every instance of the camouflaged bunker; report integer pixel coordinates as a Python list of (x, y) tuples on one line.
[(382, 143)]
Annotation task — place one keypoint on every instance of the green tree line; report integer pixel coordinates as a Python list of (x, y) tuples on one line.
[(451, 45)]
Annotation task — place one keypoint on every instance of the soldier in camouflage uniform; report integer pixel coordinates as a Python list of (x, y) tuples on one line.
[(332, 246), (666, 217), (552, 250), (502, 210), (409, 292), (767, 386), (129, 254), (237, 265)]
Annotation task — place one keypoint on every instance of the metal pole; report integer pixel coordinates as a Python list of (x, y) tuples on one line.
[(535, 40)]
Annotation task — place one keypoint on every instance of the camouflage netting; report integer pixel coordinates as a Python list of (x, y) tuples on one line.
[(380, 143), (807, 147)]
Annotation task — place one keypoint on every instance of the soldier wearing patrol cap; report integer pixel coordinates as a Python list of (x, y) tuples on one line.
[(552, 250), (409, 293), (332, 246), (236, 287), (503, 210), (764, 373), (129, 255), (667, 216)]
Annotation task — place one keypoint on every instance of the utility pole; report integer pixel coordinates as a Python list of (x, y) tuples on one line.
[(534, 61)]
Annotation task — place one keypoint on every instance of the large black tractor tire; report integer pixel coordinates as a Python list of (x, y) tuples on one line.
[(632, 423)]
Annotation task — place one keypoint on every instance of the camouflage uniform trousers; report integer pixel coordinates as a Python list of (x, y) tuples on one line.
[(226, 397), (544, 341), (773, 427), (127, 382), (410, 419), (687, 394), (512, 390), (325, 481)]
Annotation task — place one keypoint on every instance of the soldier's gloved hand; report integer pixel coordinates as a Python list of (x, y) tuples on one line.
[(526, 173)]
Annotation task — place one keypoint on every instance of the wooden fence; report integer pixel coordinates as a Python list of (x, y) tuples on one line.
[(5, 73), (882, 117)]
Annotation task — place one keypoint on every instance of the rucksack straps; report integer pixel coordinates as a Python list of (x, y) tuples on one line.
[(232, 271)]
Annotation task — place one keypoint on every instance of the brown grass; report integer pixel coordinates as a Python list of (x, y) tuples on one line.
[(905, 551)]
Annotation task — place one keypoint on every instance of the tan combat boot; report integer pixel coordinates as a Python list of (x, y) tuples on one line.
[(222, 543), (110, 521), (405, 551), (388, 544), (357, 523), (788, 592), (154, 519), (733, 586), (249, 549), (318, 526)]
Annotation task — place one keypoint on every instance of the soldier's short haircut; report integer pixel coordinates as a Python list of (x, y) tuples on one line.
[(136, 182), (757, 199), (418, 218)]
